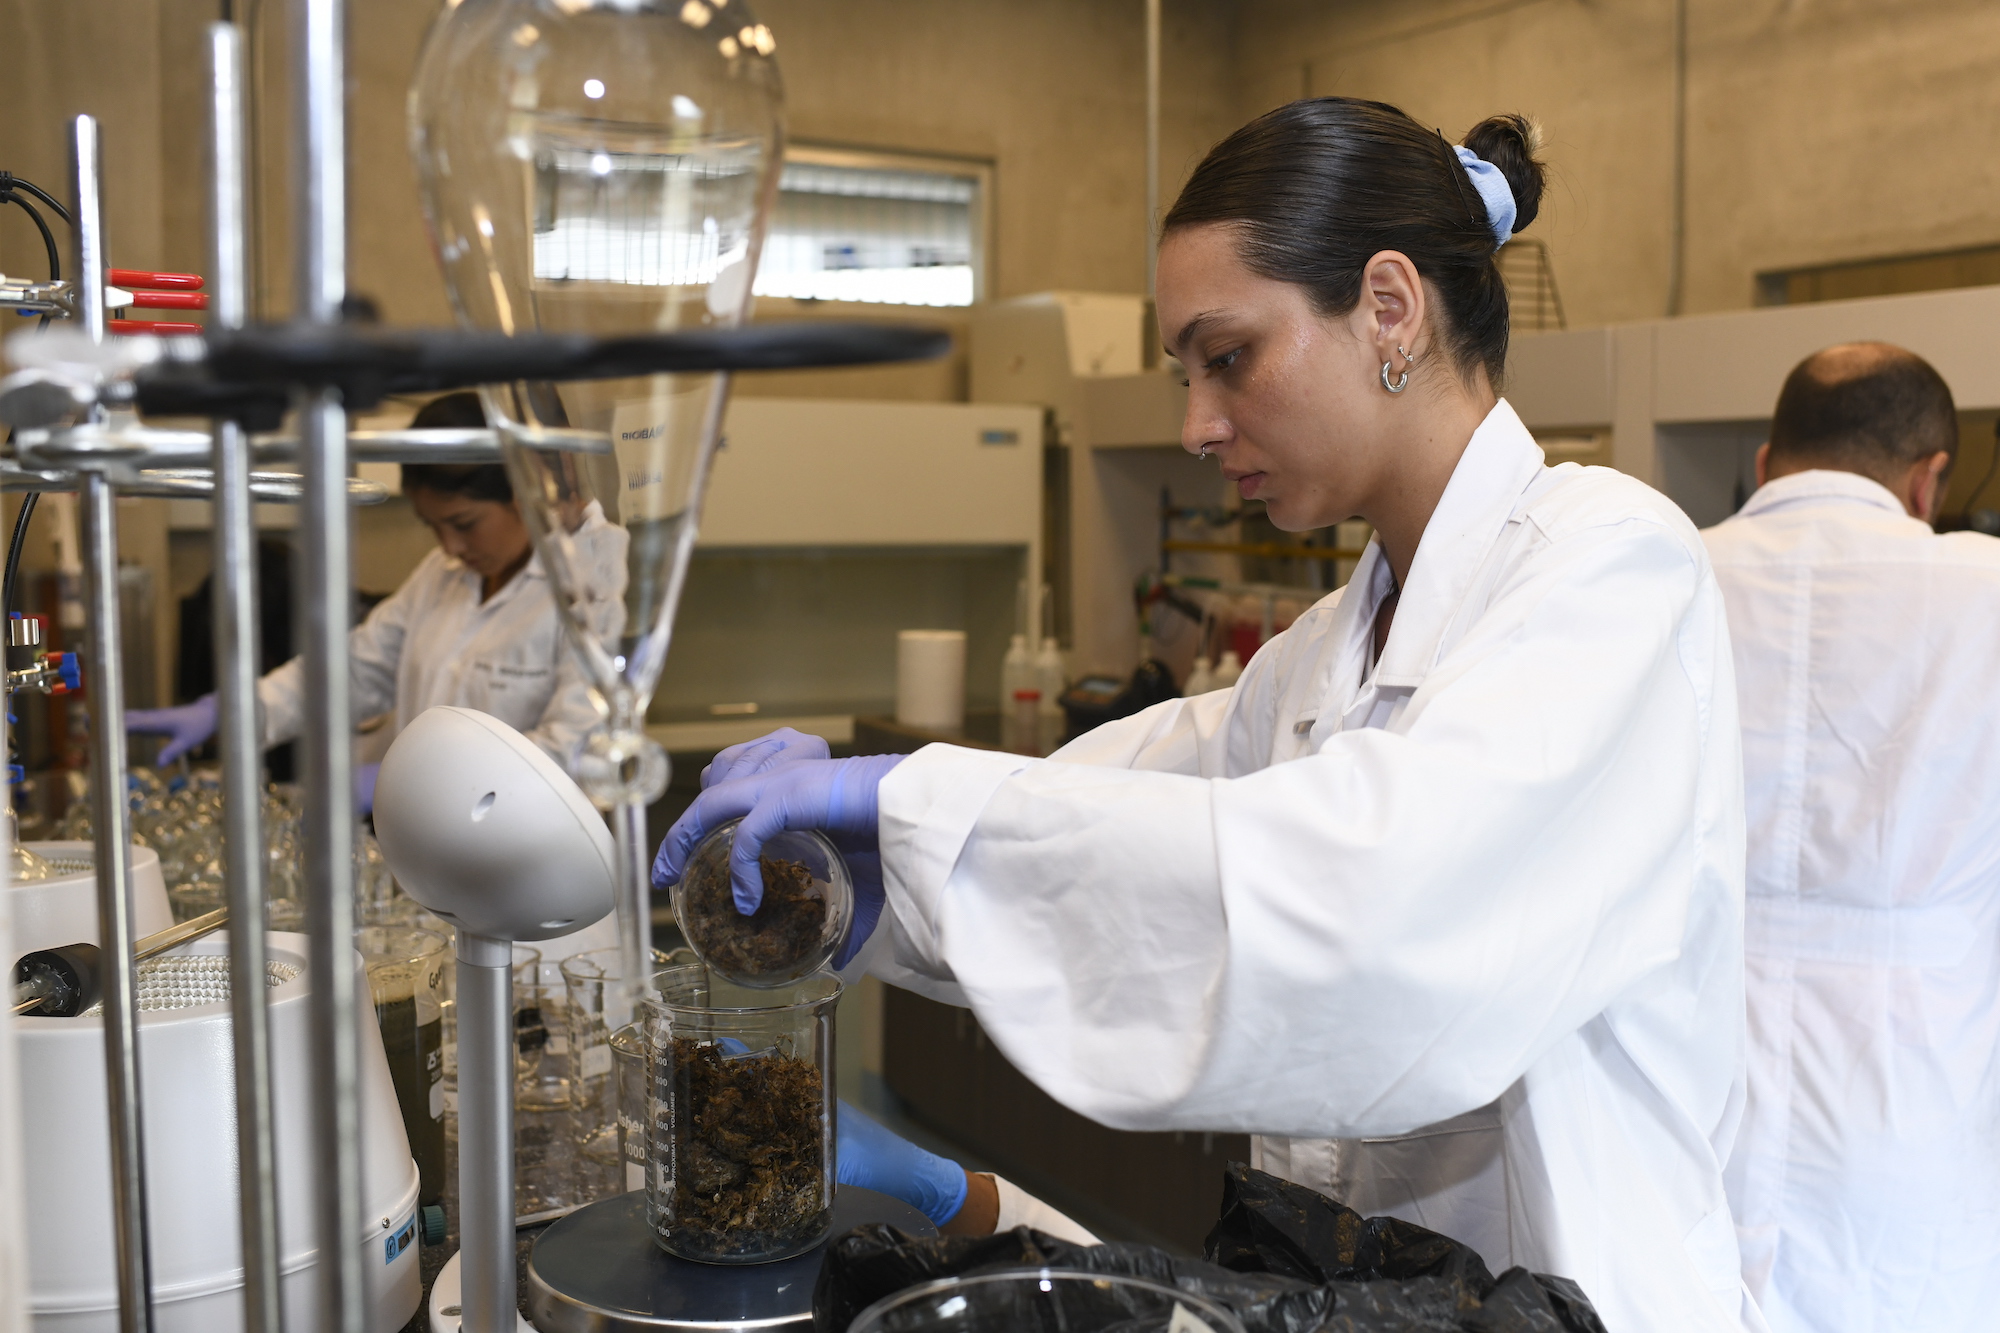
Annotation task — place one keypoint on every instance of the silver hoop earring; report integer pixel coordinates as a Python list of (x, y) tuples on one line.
[(1402, 381)]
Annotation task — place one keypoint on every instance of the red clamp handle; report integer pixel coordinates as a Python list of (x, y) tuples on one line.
[(165, 282), (159, 326), (171, 300)]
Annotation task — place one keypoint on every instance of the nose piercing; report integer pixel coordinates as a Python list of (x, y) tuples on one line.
[(1202, 452)]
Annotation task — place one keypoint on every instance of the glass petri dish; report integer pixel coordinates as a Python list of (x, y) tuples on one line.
[(807, 911)]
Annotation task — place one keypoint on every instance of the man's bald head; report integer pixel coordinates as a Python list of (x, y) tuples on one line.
[(1870, 408)]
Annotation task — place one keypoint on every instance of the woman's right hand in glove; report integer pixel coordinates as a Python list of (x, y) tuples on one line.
[(188, 724)]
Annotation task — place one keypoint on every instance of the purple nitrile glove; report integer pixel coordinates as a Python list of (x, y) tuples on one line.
[(364, 788), (783, 746), (188, 724), (877, 1158), (864, 867), (836, 796)]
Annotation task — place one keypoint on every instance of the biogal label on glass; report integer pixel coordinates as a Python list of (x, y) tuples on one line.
[(656, 441)]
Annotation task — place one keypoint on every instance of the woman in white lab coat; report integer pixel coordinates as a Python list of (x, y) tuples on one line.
[(474, 625), (1444, 899)]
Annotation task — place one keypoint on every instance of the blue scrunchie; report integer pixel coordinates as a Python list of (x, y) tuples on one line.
[(1494, 190)]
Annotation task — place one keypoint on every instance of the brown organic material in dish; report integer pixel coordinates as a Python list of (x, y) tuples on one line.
[(748, 1155), (774, 940)]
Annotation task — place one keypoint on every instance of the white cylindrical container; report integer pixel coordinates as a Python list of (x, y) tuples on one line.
[(186, 1077), (930, 679), (50, 913)]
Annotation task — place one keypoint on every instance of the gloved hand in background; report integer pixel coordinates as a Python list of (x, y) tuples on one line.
[(188, 724), (364, 788), (836, 796), (957, 1201)]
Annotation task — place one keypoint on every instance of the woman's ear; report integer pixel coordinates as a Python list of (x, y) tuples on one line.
[(1391, 311)]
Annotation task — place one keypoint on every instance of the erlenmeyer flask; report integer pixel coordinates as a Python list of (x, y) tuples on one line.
[(604, 167)]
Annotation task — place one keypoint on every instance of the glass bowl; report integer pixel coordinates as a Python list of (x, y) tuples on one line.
[(807, 911), (1045, 1298)]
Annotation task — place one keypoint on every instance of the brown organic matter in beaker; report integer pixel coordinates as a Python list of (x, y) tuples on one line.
[(770, 942), (748, 1150)]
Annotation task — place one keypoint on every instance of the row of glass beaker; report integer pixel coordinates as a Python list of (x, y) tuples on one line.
[(716, 1099)]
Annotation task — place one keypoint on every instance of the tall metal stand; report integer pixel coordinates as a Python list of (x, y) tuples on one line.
[(111, 816), (328, 601), (235, 554), (486, 1134)]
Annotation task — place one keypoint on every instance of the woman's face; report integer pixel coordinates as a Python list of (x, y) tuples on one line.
[(487, 536), (1288, 400)]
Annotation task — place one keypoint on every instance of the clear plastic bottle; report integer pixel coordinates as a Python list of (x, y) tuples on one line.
[(1228, 669), (1050, 680), (1200, 678), (1017, 673)]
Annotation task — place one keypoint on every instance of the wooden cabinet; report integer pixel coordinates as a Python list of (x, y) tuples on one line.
[(1164, 1189)]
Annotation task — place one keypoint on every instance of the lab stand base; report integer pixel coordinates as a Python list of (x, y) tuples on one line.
[(443, 1306), (598, 1271)]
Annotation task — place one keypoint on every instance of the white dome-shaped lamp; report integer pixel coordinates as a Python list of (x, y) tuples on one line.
[(485, 830)]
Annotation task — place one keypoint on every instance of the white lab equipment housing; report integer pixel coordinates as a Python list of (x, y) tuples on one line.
[(62, 909), (829, 526), (189, 1095)]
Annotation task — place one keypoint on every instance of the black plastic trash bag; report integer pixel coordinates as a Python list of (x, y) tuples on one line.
[(1285, 1258)]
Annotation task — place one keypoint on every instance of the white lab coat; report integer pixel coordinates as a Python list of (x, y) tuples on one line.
[(1866, 1180), (1475, 912), (433, 641)]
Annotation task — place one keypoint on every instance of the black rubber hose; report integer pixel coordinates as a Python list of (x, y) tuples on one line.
[(10, 181), (41, 225), (14, 551)]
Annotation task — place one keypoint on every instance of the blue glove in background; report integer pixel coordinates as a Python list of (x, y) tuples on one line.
[(836, 796), (188, 724), (874, 1158), (364, 788), (783, 746)]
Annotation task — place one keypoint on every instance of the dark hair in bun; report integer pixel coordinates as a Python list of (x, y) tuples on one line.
[(1512, 143), (1318, 187)]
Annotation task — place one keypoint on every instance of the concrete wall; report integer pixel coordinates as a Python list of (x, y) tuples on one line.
[(1051, 92), (1817, 130)]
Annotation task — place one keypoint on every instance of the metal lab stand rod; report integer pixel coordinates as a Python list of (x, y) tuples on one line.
[(111, 823), (321, 152), (235, 554)]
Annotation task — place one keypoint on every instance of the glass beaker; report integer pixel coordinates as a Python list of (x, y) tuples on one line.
[(740, 1125), (635, 1096), (406, 970), (1045, 1298), (541, 1030), (599, 1005)]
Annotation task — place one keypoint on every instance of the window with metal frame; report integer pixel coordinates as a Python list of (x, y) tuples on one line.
[(877, 227)]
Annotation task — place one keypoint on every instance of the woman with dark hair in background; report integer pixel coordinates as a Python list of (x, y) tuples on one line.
[(474, 625), (1444, 898)]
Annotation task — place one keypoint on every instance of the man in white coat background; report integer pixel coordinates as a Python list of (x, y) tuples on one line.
[(1866, 1178)]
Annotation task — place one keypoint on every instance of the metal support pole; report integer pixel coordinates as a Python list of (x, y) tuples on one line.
[(326, 602), (1152, 138), (1149, 347), (111, 817), (235, 548), (486, 1134), (634, 905)]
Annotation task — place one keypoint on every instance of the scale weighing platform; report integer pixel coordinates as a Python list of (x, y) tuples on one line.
[(598, 1271)]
